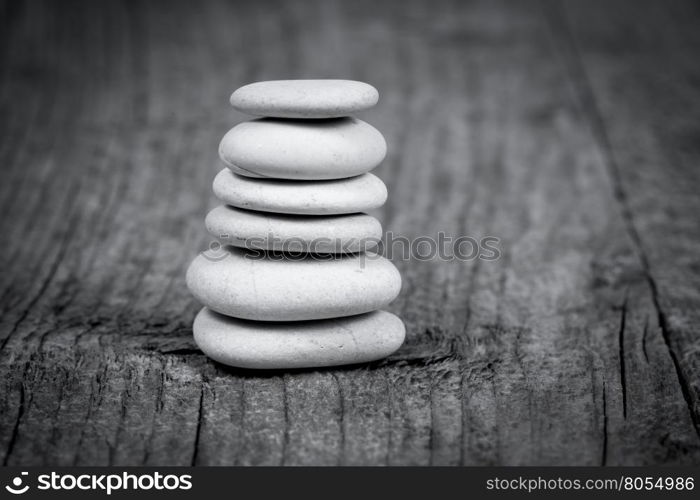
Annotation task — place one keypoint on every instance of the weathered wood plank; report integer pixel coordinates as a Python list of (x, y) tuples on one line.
[(550, 127), (641, 98)]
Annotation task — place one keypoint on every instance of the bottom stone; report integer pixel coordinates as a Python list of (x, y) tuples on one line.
[(297, 344)]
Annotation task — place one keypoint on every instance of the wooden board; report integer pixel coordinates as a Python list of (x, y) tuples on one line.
[(568, 130)]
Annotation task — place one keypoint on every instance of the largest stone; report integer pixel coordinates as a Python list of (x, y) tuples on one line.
[(298, 344)]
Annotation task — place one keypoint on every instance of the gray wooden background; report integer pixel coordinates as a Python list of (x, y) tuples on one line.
[(570, 130)]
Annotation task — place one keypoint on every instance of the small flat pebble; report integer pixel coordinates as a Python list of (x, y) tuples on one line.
[(252, 284), (299, 344), (294, 233), (340, 196), (303, 149), (304, 98)]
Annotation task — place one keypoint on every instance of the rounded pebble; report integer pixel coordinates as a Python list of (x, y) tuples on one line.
[(253, 284), (294, 233), (304, 98), (303, 149), (300, 344), (340, 196)]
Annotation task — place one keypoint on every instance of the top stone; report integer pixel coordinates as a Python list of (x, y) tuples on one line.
[(304, 98)]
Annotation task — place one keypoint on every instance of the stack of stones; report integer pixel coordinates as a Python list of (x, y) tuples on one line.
[(297, 286)]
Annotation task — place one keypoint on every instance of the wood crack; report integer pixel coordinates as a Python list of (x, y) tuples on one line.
[(604, 458), (644, 339), (20, 414), (623, 376), (198, 432)]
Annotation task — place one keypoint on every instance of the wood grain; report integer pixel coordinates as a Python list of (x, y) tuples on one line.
[(568, 130)]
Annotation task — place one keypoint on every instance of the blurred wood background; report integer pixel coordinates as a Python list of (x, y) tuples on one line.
[(570, 130)]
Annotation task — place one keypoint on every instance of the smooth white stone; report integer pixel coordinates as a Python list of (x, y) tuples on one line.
[(252, 284), (294, 233), (303, 149), (300, 344), (304, 98), (339, 196)]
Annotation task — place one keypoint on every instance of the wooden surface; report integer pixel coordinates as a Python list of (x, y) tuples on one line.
[(569, 130)]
